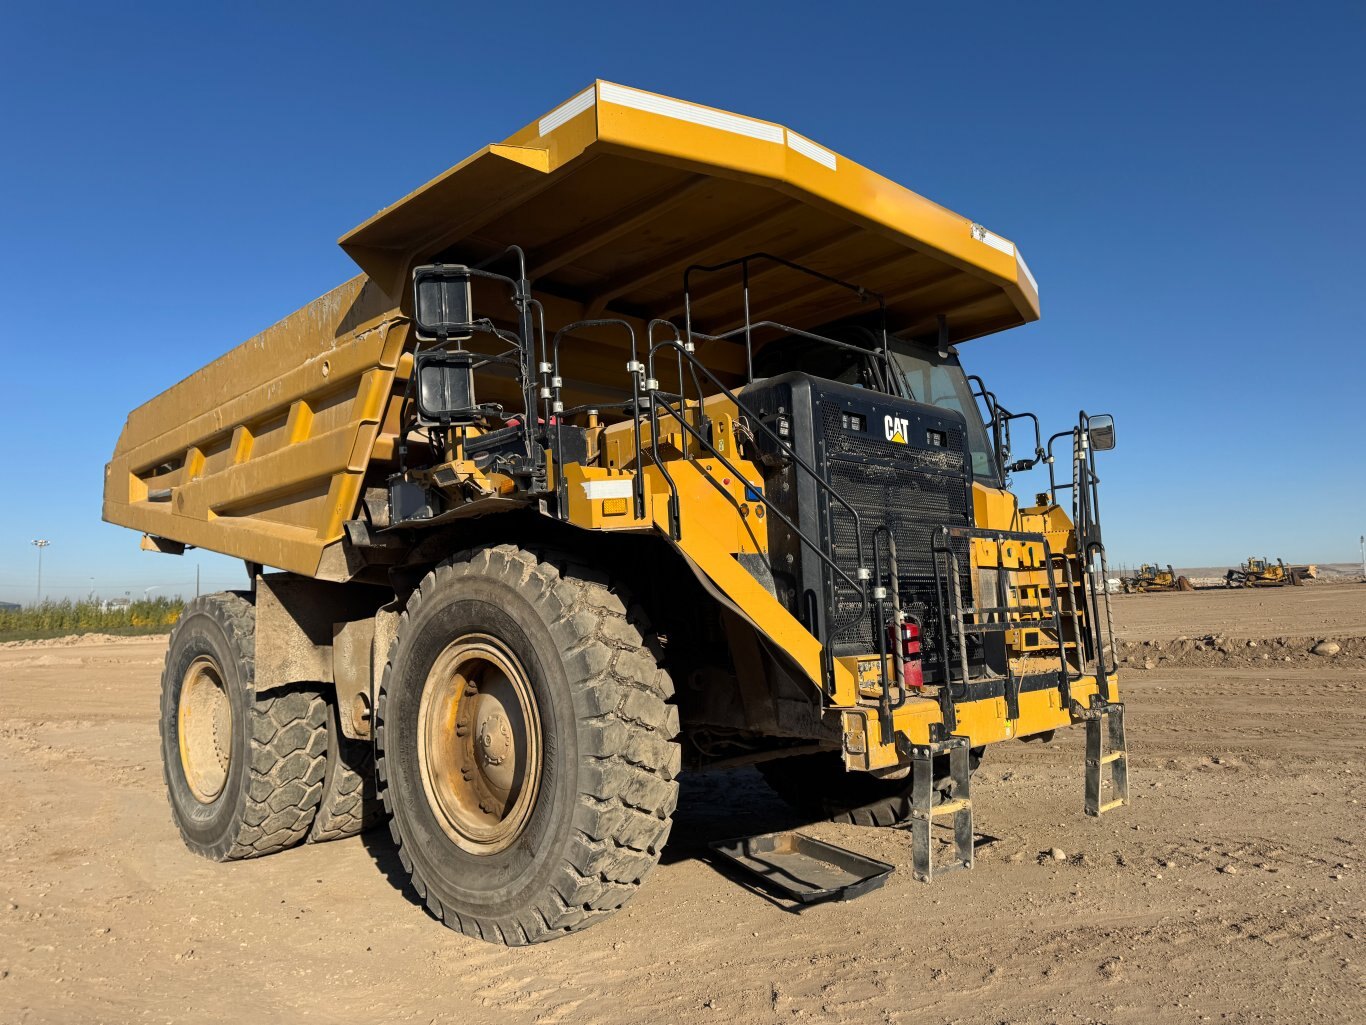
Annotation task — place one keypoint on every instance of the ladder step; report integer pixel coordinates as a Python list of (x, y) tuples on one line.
[(924, 812), (950, 807), (1105, 720)]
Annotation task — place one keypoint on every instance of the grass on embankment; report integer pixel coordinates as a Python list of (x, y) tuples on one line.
[(67, 618)]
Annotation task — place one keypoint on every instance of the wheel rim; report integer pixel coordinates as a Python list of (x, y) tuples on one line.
[(479, 749), (204, 718)]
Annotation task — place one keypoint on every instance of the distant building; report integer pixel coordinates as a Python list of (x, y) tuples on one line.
[(9, 606), (115, 604)]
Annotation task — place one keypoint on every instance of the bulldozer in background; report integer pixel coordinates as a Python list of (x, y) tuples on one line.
[(1150, 578), (641, 443), (1263, 573)]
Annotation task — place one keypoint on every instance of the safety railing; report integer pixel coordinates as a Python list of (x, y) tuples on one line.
[(1084, 488), (664, 404), (1007, 610)]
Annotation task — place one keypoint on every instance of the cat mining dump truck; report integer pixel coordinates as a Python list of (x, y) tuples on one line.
[(640, 444)]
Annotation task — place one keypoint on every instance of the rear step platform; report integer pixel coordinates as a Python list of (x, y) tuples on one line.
[(1116, 759), (803, 868), (924, 811)]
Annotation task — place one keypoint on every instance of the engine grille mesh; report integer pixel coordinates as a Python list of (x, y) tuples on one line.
[(913, 491)]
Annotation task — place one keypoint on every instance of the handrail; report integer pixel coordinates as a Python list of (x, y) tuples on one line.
[(743, 263), (859, 584), (950, 600), (557, 406), (726, 336), (1085, 494), (886, 706)]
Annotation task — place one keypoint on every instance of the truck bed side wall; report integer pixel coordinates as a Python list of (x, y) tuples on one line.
[(261, 454)]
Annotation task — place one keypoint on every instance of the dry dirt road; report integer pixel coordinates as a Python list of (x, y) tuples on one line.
[(1231, 890)]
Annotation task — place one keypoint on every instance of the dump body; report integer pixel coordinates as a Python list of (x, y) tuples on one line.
[(262, 454)]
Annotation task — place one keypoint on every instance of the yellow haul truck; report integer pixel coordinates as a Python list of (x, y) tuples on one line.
[(641, 443)]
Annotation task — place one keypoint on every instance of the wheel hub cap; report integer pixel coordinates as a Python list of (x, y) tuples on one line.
[(204, 727), (479, 744)]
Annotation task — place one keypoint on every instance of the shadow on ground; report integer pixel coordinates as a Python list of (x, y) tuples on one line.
[(711, 806)]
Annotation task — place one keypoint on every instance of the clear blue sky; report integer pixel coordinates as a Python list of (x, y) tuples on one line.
[(1185, 180)]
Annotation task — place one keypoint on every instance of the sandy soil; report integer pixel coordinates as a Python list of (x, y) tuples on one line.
[(1231, 890)]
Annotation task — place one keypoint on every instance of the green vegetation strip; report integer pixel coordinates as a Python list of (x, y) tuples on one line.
[(66, 618)]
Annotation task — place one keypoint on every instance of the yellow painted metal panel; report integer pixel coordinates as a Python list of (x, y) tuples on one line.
[(587, 192), (261, 454)]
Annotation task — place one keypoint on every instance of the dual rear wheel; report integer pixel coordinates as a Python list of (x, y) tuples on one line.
[(251, 773), (525, 745)]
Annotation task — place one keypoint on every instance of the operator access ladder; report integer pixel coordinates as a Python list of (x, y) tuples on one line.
[(1104, 722), (1110, 715), (924, 812)]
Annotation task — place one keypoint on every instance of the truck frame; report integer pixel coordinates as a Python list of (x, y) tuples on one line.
[(640, 444)]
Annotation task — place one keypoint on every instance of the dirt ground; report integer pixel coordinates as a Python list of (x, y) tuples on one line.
[(1231, 890)]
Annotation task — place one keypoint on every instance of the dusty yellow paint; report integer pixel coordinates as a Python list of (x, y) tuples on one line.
[(708, 184), (262, 453), (982, 722)]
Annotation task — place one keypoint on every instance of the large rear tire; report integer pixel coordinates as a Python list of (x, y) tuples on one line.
[(244, 771), (525, 746), (817, 785), (348, 805)]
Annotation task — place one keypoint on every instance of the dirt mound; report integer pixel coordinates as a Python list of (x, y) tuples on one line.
[(1218, 650), (78, 640)]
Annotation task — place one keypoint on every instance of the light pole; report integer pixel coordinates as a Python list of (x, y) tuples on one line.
[(1362, 539), (40, 544)]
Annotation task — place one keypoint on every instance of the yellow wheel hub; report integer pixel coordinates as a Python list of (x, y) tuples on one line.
[(479, 749), (204, 719)]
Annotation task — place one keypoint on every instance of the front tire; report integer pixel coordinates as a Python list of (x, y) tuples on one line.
[(525, 744), (244, 771)]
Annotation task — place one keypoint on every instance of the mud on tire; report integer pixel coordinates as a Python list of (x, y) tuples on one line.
[(605, 726), (244, 771)]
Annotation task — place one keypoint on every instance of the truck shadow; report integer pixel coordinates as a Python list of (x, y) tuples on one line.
[(722, 805), (711, 806)]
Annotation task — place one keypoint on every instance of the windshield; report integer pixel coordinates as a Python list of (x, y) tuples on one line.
[(926, 376), (940, 381)]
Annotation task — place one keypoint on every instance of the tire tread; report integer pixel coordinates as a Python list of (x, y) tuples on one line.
[(288, 746), (623, 819)]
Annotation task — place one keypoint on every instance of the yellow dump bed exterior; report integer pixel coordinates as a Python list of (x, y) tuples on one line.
[(616, 191), (263, 453)]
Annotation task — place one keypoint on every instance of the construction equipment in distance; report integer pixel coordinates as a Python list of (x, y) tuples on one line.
[(641, 443), (1263, 573), (1150, 578)]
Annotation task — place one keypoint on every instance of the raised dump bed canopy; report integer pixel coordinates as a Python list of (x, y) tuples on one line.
[(615, 192)]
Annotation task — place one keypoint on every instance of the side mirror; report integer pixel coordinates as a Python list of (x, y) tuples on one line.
[(1100, 429), (442, 308), (445, 387)]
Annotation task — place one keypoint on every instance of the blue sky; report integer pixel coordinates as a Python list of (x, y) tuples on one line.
[(1185, 180)]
